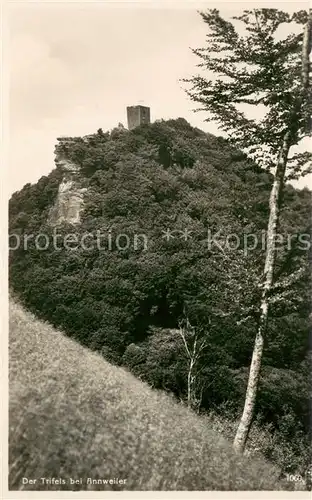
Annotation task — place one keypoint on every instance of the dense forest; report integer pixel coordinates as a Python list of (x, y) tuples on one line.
[(179, 212)]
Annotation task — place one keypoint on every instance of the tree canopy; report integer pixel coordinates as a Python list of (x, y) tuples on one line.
[(122, 302)]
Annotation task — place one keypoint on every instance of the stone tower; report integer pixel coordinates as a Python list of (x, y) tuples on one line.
[(137, 115)]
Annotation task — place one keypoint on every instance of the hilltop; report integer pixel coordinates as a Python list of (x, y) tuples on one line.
[(174, 208), (74, 415)]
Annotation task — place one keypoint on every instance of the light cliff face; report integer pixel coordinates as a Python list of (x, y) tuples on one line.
[(69, 201)]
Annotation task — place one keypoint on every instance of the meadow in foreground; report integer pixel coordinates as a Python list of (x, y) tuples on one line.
[(74, 415)]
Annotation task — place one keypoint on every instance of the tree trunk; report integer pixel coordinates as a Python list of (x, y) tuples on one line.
[(190, 385), (277, 188), (254, 373)]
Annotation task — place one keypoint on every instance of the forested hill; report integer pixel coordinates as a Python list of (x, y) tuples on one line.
[(181, 217)]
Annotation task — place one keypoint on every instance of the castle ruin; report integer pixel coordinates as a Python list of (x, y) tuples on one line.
[(138, 115)]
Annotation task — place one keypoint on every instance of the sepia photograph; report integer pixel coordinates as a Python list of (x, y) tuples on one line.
[(159, 183)]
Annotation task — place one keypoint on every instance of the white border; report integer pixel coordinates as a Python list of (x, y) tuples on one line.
[(5, 6)]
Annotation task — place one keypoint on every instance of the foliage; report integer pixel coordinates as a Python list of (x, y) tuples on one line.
[(253, 66), (124, 303)]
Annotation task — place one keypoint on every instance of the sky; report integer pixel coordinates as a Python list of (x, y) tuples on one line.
[(75, 67)]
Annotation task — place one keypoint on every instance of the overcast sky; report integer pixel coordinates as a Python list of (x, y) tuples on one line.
[(74, 67)]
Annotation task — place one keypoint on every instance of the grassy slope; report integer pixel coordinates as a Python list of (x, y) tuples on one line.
[(72, 414)]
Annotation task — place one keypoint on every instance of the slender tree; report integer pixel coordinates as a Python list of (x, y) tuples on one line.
[(194, 343), (264, 70)]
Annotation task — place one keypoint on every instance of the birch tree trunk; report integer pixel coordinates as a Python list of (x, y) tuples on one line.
[(190, 384), (277, 188), (193, 348), (254, 373)]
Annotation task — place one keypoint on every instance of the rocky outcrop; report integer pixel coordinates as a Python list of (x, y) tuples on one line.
[(69, 201)]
